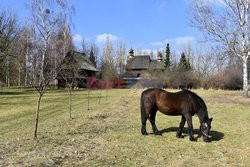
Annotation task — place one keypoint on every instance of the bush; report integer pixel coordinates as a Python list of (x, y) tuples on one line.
[(230, 78), (233, 79), (179, 78), (214, 81), (1, 84), (176, 78)]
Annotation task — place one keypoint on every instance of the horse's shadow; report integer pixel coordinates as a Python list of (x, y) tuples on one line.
[(215, 135)]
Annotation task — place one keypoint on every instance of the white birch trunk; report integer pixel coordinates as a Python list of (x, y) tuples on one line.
[(26, 64), (42, 63), (245, 78)]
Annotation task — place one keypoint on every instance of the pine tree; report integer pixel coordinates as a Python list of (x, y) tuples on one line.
[(184, 63), (188, 64), (167, 62), (92, 56)]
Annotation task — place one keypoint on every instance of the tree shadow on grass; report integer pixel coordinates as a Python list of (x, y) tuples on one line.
[(11, 93), (215, 135)]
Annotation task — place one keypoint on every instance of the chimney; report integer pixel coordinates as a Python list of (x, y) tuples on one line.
[(131, 53), (159, 56)]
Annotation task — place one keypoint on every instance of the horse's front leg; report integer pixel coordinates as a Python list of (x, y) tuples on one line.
[(182, 123), (190, 127)]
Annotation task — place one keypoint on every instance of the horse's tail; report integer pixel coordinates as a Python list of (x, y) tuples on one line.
[(143, 112)]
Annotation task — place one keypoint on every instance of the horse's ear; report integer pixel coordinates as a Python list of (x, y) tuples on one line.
[(210, 119)]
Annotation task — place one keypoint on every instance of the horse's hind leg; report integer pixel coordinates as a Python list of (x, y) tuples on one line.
[(152, 121), (182, 123), (143, 121), (144, 117)]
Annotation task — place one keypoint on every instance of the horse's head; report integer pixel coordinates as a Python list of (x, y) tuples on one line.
[(205, 129)]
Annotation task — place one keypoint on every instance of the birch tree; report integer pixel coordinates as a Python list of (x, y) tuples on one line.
[(228, 25), (23, 50), (47, 15), (8, 33)]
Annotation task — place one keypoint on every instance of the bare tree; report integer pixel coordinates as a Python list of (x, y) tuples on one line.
[(69, 72), (85, 47), (108, 60), (61, 44), (23, 49), (121, 58), (205, 63), (227, 24), (8, 34), (189, 52), (47, 15)]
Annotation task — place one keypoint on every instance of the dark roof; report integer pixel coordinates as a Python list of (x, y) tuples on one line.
[(143, 62), (155, 64), (84, 61), (81, 59), (129, 74), (139, 62), (131, 51)]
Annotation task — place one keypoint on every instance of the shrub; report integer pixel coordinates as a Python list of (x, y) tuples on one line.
[(233, 79)]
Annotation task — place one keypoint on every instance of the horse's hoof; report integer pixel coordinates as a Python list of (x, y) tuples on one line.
[(192, 139), (144, 133), (206, 140), (158, 133), (180, 136)]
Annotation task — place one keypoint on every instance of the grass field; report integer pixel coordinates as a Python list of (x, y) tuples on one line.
[(109, 133)]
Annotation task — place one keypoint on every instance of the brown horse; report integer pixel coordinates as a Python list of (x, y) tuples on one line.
[(184, 103)]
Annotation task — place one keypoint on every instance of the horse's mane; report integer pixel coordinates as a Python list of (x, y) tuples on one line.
[(203, 112)]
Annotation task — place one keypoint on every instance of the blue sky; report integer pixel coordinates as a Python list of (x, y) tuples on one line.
[(144, 24)]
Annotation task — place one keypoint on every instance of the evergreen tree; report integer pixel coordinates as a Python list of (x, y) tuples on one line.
[(188, 64), (167, 62), (184, 63), (92, 56)]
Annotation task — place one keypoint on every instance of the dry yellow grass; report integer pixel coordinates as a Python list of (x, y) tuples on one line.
[(109, 133)]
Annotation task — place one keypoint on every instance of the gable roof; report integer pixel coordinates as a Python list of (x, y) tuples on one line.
[(143, 62), (84, 61), (155, 64), (139, 62), (81, 59)]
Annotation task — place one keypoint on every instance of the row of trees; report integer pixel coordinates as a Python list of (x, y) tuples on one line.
[(31, 53), (24, 49), (21, 53), (228, 26), (225, 24), (200, 68)]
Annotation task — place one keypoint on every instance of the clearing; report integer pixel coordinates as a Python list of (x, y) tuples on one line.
[(109, 133)]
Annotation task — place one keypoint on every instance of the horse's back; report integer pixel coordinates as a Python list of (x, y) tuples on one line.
[(167, 102)]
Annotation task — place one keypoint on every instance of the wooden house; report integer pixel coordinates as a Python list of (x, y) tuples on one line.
[(83, 66), (140, 63)]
